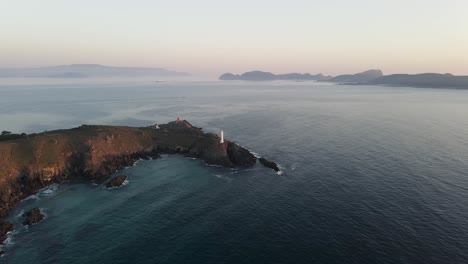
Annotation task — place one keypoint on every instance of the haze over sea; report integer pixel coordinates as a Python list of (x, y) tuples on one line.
[(372, 174)]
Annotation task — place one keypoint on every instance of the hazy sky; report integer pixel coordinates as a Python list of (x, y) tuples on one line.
[(209, 37)]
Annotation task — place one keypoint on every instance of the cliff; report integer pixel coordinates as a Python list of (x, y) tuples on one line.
[(95, 152)]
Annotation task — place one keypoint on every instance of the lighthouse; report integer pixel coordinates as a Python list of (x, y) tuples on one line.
[(222, 137)]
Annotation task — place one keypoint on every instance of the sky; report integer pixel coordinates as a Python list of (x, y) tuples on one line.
[(210, 37)]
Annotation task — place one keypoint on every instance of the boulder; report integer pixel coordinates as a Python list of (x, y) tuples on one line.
[(5, 227), (33, 216), (116, 181)]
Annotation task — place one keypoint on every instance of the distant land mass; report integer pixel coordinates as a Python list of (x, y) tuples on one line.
[(370, 77), (362, 77), (86, 71), (424, 80), (268, 76)]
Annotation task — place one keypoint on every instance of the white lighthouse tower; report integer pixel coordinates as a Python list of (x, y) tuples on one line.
[(222, 137)]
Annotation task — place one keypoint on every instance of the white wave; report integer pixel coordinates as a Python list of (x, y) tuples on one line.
[(213, 165), (44, 213), (223, 177), (280, 172), (9, 240), (31, 197), (48, 191), (20, 214)]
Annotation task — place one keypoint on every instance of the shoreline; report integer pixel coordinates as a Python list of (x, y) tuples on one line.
[(93, 153)]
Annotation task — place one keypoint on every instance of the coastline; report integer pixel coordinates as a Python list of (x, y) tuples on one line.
[(93, 153)]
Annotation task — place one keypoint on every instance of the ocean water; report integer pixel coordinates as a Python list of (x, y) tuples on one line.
[(371, 175)]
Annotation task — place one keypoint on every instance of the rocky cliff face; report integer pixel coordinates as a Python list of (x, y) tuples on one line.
[(95, 152)]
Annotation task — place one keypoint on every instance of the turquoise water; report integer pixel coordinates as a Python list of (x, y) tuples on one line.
[(372, 175)]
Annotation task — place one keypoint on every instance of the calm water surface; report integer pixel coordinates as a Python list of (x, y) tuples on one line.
[(372, 175)]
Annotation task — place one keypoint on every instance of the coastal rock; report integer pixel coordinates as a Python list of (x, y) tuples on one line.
[(116, 181), (269, 164), (33, 216), (239, 155), (5, 227)]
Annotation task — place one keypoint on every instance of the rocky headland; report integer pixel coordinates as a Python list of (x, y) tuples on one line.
[(94, 152)]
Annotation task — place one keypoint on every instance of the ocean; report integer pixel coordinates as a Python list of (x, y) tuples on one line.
[(372, 174)]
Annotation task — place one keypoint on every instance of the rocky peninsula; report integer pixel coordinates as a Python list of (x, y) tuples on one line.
[(93, 152)]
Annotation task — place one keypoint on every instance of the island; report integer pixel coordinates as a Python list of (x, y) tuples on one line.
[(369, 77), (268, 76), (362, 77), (423, 80), (87, 71)]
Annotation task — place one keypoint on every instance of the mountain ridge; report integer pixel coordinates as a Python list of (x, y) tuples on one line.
[(268, 76), (86, 70), (369, 77)]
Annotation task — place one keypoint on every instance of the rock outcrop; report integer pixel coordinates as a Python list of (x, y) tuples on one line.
[(5, 227), (269, 164), (95, 152), (116, 181), (33, 216)]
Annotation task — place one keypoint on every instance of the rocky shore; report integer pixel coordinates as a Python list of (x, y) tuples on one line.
[(93, 153), (116, 181)]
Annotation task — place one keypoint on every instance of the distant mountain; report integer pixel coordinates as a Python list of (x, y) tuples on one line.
[(86, 70), (427, 80), (370, 77), (268, 76), (362, 77)]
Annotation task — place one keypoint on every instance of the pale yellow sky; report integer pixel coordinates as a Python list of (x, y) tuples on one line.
[(210, 37)]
